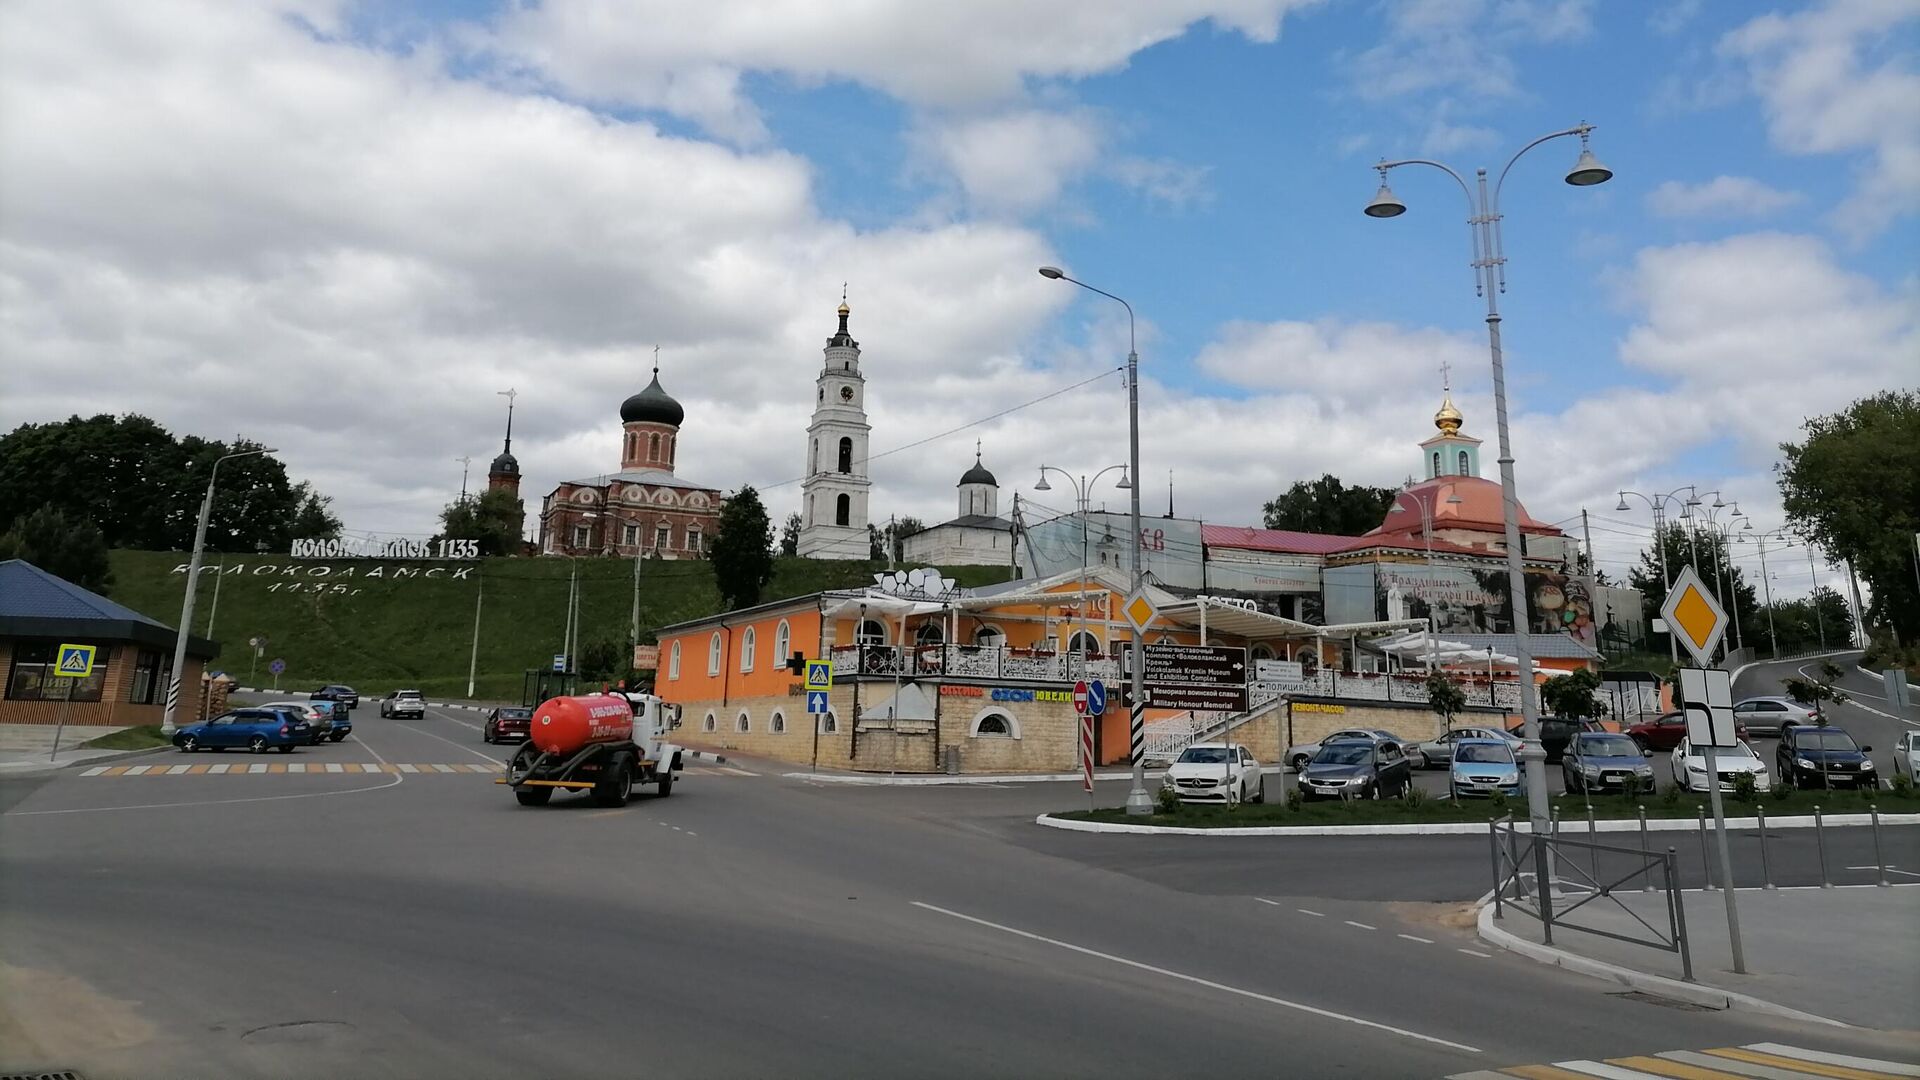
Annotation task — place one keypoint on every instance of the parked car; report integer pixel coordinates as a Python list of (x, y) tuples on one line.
[(1486, 767), (1906, 756), (317, 714), (342, 719), (1604, 761), (1689, 766), (1823, 757), (347, 696), (250, 729), (1298, 756), (1555, 734), (1769, 716), (506, 723), (1216, 772), (1356, 768), (1669, 730), (403, 703), (1437, 753)]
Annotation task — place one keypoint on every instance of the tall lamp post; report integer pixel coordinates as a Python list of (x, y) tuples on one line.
[(1658, 503), (1139, 804), (1722, 535), (1082, 492), (1748, 535), (1433, 576), (1489, 263), (167, 726)]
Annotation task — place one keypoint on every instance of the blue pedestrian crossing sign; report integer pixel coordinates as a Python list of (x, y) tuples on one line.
[(1096, 697), (819, 676), (816, 701), (75, 661)]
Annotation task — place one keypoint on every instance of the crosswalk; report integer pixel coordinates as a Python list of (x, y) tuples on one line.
[(354, 768), (1755, 1061)]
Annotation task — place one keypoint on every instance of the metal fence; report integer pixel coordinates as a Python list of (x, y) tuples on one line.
[(1554, 865)]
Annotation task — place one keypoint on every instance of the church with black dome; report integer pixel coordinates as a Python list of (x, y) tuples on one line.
[(645, 508)]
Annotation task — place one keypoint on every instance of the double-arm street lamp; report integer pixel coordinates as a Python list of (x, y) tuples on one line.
[(1722, 535), (1659, 504), (1489, 264), (1750, 535), (1139, 804), (1425, 503), (1082, 492), (167, 725)]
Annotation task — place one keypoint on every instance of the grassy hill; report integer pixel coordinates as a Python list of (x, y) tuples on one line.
[(379, 633)]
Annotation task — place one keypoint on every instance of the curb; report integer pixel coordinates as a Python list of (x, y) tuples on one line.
[(1465, 828), (1647, 982), (938, 781), (703, 755), (1742, 669)]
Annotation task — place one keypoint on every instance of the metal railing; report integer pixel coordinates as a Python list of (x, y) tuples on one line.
[(974, 662), (1547, 859)]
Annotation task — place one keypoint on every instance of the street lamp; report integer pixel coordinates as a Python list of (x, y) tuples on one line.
[(1658, 504), (1433, 577), (1749, 534), (1489, 263), (1083, 492), (1139, 804), (167, 726)]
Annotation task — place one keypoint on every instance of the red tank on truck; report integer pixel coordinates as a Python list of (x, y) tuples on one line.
[(603, 744)]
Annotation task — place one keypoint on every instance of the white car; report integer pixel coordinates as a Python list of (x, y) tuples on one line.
[(1767, 715), (1906, 756), (403, 703), (1298, 756), (1216, 772), (1689, 766)]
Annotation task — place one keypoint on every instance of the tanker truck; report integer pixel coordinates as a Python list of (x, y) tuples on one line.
[(604, 744)]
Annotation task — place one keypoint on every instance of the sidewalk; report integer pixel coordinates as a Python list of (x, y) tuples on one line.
[(1848, 954), (26, 749)]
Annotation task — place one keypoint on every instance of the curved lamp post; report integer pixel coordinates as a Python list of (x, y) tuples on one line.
[(1658, 503), (1082, 493), (167, 725)]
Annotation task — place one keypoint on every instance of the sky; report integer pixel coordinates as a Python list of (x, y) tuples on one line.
[(342, 229)]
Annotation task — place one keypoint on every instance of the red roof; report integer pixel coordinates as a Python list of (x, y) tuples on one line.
[(1281, 540)]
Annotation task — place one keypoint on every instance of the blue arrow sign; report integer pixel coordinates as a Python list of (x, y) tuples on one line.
[(1096, 697), (816, 701)]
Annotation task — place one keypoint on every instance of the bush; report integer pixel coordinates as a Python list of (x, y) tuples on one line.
[(1745, 789), (1294, 799), (1671, 796), (1413, 797), (1782, 791), (1902, 786), (1169, 800), (1499, 804)]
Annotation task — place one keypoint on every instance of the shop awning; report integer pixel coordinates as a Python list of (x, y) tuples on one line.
[(1242, 622)]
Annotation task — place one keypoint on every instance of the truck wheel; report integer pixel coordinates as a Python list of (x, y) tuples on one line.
[(534, 796), (613, 790), (666, 784)]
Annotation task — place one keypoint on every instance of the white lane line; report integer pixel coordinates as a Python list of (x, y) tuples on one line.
[(334, 766), (256, 768), (1264, 900), (737, 772), (441, 768), (690, 832), (300, 766), (1198, 981), (1602, 1069), (488, 758), (96, 770), (178, 770), (1361, 925), (1471, 952), (1890, 868), (220, 768), (1421, 940), (1845, 1061), (1315, 914), (136, 770)]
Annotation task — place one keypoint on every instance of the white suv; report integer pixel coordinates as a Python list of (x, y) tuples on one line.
[(1216, 772), (403, 703)]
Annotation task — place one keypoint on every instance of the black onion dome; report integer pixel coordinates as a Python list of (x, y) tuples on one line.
[(652, 405), (979, 475), (505, 464)]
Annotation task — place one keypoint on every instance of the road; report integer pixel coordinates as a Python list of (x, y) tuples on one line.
[(379, 923), (1866, 715)]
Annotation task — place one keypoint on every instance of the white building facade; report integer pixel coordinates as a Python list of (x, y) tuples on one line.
[(833, 501), (978, 536)]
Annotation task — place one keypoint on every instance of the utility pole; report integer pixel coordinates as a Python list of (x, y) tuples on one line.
[(1859, 610), (466, 463), (473, 655), (1819, 617)]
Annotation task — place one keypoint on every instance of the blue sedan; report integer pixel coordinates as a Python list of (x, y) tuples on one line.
[(1602, 761), (1486, 767), (249, 729)]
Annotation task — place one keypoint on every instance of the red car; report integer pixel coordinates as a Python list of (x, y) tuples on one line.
[(506, 724), (1665, 731)]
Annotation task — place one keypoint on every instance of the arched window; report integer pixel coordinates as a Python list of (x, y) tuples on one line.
[(829, 723), (1083, 641), (991, 637), (994, 724), (1463, 463), (710, 723), (746, 649), (1436, 463), (1263, 651), (843, 509), (629, 446), (782, 643), (741, 723), (777, 723), (846, 457), (871, 632), (713, 654), (815, 466), (930, 634), (653, 446), (673, 662)]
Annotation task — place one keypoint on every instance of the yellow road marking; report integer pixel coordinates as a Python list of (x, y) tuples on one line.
[(1545, 1072), (1672, 1068), (276, 768), (197, 770), (1815, 1068), (117, 770)]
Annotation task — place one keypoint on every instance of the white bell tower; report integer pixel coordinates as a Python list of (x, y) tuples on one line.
[(833, 500)]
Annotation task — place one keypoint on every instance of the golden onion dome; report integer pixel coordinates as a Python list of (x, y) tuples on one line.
[(1448, 419)]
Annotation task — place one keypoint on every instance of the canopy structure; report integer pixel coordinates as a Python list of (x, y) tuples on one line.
[(1415, 646), (879, 604), (1211, 615)]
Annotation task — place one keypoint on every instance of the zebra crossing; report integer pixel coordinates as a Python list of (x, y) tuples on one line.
[(1754, 1061), (353, 768)]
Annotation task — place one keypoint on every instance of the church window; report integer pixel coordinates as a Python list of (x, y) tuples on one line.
[(653, 446), (693, 538), (663, 536), (630, 535), (815, 466), (748, 645), (673, 662), (1463, 463), (1436, 463), (846, 394), (782, 642), (713, 654), (629, 446), (842, 510), (581, 536), (846, 457)]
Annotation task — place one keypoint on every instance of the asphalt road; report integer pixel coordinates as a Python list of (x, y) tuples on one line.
[(421, 924)]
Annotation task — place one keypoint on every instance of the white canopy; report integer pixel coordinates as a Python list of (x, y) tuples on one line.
[(878, 604)]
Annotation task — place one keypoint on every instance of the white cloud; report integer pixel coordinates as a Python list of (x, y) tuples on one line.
[(1444, 138), (1015, 161), (1673, 16), (1722, 196), (1462, 47), (1176, 184), (1840, 78)]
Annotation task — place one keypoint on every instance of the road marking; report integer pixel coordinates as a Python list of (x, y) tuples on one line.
[(1654, 1066), (1842, 1060), (178, 770), (1361, 925), (334, 766), (1806, 1061), (442, 768), (1763, 1061), (1586, 1068), (1471, 952), (197, 770), (409, 768), (259, 768), (368, 766), (277, 769), (1264, 900), (220, 768), (736, 772), (1421, 940), (1198, 981), (1889, 868), (1315, 914), (95, 771)]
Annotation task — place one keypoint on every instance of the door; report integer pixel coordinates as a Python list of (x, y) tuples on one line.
[(219, 731)]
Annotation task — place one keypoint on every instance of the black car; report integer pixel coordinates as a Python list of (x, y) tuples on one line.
[(1356, 769), (1556, 733), (506, 723), (1823, 757), (344, 696)]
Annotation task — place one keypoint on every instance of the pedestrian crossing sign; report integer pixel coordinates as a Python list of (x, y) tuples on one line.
[(75, 661), (816, 701), (819, 675)]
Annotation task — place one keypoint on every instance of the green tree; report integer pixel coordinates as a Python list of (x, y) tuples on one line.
[(742, 550), (1815, 694), (1445, 695), (1328, 506), (491, 518), (313, 521), (1853, 487), (1811, 622), (1710, 559), (64, 547), (790, 536), (898, 531), (1574, 696)]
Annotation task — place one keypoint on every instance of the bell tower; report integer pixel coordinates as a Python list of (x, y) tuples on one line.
[(833, 499), (1449, 453)]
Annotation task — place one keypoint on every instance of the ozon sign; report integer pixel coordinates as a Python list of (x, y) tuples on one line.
[(370, 548)]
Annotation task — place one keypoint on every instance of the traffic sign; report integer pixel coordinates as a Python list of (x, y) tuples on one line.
[(1096, 698), (277, 666), (1201, 698), (816, 701), (1080, 697), (75, 662), (819, 675), (1708, 693), (1209, 665), (559, 661), (1694, 617), (1139, 610)]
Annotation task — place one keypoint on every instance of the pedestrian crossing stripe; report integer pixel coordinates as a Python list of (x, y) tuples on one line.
[(1765, 1061), (338, 768)]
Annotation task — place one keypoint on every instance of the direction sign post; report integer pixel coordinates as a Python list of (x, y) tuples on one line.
[(1086, 756), (1708, 695), (71, 664), (817, 702), (1096, 698), (1694, 617)]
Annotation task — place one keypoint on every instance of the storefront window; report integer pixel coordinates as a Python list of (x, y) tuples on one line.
[(34, 679), (146, 679)]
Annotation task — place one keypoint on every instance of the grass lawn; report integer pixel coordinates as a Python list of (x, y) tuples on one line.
[(1570, 807), (145, 737)]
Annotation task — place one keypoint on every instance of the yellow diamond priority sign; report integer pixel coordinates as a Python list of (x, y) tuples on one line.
[(1139, 610), (1694, 617)]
